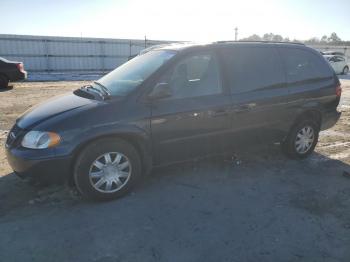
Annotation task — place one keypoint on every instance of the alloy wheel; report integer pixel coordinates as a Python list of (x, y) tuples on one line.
[(304, 139), (110, 172)]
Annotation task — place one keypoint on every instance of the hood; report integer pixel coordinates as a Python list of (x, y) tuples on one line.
[(51, 108)]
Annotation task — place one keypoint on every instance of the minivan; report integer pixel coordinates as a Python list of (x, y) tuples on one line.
[(176, 103)]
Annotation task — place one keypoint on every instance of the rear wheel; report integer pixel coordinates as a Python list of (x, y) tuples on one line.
[(345, 70), (107, 169), (301, 140), (3, 81)]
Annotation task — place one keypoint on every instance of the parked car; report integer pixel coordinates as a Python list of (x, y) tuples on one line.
[(173, 104), (11, 71), (338, 63), (332, 53)]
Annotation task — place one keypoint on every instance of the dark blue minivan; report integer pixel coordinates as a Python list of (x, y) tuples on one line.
[(172, 104)]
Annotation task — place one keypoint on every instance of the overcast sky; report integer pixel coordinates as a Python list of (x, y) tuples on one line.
[(176, 19)]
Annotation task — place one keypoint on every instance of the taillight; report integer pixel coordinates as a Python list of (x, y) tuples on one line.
[(338, 90), (20, 67)]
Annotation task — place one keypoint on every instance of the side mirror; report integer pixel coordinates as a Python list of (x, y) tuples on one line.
[(161, 90)]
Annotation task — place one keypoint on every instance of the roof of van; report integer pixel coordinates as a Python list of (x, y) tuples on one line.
[(185, 45)]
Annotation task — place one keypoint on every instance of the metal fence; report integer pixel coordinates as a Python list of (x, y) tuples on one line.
[(47, 54), (70, 54)]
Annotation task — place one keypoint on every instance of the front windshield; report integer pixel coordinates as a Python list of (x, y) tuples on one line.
[(130, 75)]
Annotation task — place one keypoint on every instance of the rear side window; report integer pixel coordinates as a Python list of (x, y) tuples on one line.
[(302, 65), (252, 68)]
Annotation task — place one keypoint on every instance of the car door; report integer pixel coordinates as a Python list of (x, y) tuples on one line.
[(341, 64), (259, 94), (337, 65), (333, 64), (194, 120)]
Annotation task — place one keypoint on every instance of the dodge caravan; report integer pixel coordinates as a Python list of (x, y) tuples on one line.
[(176, 103)]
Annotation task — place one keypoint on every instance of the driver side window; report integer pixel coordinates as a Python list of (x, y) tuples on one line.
[(196, 75)]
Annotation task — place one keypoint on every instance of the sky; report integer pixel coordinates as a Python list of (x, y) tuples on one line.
[(183, 20)]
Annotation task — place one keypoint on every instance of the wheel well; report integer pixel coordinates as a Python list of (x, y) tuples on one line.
[(313, 115), (134, 140)]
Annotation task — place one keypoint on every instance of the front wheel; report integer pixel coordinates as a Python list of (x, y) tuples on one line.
[(345, 70), (301, 140), (107, 169)]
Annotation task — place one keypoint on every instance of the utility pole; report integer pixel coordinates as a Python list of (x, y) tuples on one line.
[(236, 34), (145, 41)]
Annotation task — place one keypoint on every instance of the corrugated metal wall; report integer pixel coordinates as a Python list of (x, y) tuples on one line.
[(69, 54), (75, 54)]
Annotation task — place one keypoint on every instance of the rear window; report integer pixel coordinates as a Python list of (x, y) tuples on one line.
[(302, 65), (252, 68), (339, 59)]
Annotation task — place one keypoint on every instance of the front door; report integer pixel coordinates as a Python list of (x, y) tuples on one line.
[(194, 120)]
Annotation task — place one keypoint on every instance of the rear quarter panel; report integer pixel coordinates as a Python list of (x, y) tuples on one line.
[(317, 94)]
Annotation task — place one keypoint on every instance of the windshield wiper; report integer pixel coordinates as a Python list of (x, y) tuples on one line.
[(83, 92), (100, 91), (104, 89), (95, 90)]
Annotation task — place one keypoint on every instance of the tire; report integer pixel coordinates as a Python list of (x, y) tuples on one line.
[(4, 82), (345, 70), (293, 145), (99, 177)]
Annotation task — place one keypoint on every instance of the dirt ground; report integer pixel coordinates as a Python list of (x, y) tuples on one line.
[(263, 208)]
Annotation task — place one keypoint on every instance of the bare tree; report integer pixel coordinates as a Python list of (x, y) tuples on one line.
[(324, 39), (252, 38), (334, 38), (313, 40)]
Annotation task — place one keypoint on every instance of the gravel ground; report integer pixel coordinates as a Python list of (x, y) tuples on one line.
[(266, 208)]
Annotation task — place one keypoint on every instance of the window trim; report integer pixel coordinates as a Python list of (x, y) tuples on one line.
[(211, 52)]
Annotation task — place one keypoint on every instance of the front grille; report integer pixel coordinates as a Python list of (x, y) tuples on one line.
[(14, 136)]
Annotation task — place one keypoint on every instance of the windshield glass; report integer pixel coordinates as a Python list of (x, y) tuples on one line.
[(130, 75)]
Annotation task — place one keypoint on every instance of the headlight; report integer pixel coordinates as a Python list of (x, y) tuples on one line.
[(40, 140)]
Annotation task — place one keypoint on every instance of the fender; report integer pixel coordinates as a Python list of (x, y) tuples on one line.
[(133, 134), (311, 109)]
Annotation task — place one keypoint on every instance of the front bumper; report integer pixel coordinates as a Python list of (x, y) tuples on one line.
[(30, 164), (329, 119)]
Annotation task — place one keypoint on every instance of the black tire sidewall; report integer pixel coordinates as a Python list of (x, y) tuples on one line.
[(289, 143), (91, 153)]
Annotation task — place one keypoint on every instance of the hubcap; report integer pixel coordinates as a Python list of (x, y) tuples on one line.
[(304, 140), (110, 172)]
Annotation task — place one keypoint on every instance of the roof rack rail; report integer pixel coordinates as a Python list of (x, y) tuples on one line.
[(261, 41)]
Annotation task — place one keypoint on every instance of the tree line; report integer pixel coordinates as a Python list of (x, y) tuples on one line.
[(333, 39)]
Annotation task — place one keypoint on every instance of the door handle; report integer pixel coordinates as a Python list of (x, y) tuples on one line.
[(244, 108), (219, 112)]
